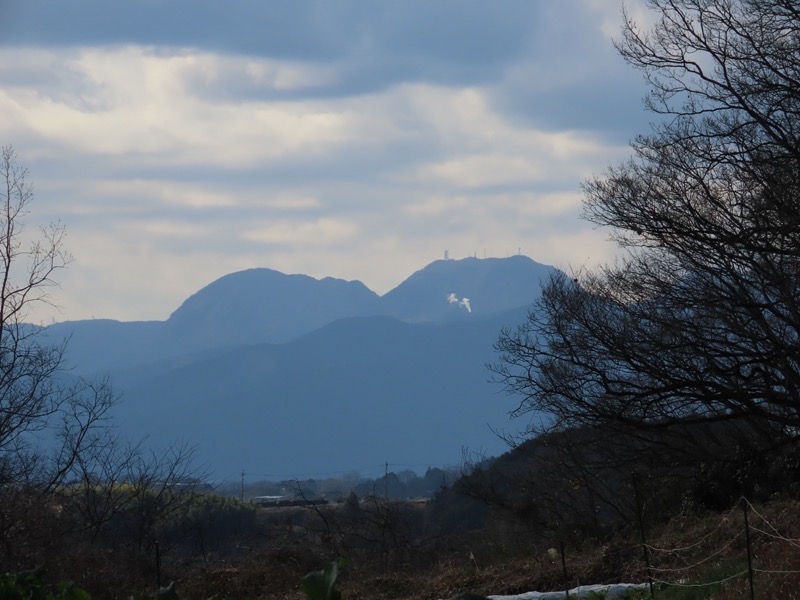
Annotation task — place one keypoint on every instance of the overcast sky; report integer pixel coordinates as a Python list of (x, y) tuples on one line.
[(180, 140)]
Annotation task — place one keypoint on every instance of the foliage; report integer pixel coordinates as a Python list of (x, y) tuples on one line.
[(28, 585), (321, 585), (167, 592)]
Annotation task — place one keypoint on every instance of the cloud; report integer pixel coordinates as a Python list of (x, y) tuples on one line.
[(456, 31), (322, 232), (353, 139), (137, 103), (349, 47)]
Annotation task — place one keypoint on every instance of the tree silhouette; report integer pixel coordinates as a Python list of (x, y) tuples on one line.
[(698, 321)]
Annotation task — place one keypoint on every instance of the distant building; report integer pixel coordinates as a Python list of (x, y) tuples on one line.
[(266, 501)]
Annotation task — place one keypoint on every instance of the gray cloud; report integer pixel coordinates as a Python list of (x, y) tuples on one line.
[(451, 31), (365, 46), (360, 46), (182, 140)]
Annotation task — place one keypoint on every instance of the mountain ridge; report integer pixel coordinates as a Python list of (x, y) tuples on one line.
[(270, 373), (264, 305)]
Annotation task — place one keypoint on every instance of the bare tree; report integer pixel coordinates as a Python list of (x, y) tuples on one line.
[(699, 321), (69, 484), (46, 417)]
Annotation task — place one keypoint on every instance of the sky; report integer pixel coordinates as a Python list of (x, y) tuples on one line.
[(181, 140)]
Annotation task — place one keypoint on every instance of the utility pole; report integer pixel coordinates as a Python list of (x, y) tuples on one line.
[(242, 494), (386, 482)]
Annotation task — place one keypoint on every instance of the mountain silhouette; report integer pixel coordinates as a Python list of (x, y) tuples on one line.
[(260, 305), (490, 285), (286, 374)]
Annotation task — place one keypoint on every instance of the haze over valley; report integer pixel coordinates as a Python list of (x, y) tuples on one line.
[(287, 376)]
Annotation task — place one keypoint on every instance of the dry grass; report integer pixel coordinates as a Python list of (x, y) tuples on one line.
[(276, 574), (406, 556)]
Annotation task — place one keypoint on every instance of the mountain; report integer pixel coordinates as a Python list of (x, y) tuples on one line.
[(247, 307), (264, 305), (471, 287), (104, 345), (348, 397), (286, 374)]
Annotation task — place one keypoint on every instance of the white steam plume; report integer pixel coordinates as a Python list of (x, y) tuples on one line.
[(453, 299)]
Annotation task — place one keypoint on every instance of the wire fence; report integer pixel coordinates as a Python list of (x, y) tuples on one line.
[(743, 551)]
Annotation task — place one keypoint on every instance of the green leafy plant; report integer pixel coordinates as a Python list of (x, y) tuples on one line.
[(321, 585), (166, 592), (27, 585)]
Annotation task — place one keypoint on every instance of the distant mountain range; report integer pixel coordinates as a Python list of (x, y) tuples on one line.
[(288, 376)]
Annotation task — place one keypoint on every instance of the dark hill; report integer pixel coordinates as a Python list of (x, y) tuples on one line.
[(350, 396)]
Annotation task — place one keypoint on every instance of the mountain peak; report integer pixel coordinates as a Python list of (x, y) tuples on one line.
[(453, 289), (263, 366), (262, 304)]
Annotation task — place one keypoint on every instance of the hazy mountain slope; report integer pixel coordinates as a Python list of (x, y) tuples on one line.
[(247, 307), (103, 345), (490, 285), (339, 385), (262, 305), (351, 395)]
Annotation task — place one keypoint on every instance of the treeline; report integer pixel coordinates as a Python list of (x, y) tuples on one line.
[(680, 359), (583, 484), (117, 537), (404, 484)]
